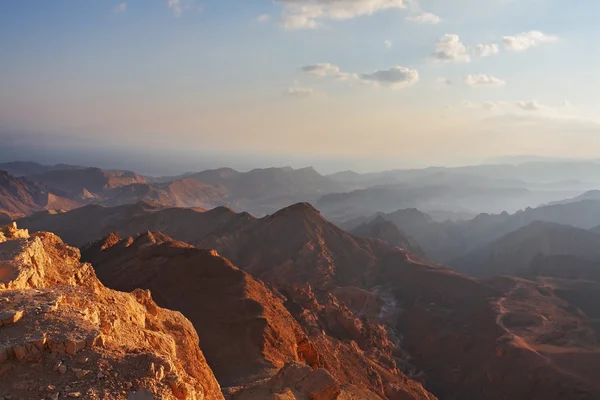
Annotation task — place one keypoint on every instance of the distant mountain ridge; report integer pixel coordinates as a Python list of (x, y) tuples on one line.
[(384, 230), (514, 253), (589, 195), (20, 196), (446, 241), (261, 191), (540, 170), (28, 168)]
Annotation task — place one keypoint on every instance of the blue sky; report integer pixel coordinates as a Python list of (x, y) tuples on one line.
[(388, 82)]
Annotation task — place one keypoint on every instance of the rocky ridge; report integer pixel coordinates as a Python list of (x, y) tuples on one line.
[(264, 328)]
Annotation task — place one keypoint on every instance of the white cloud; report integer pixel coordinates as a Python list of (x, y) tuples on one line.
[(482, 80), (425, 18), (321, 69), (120, 8), (395, 77), (298, 91), (263, 18), (444, 81), (450, 49), (309, 14), (529, 105), (388, 43), (486, 50), (525, 40)]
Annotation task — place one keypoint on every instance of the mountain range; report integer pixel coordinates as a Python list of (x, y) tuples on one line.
[(339, 289), (285, 304), (444, 242), (452, 193), (514, 253)]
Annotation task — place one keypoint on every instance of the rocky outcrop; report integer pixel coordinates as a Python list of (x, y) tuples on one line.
[(262, 328), (294, 382), (64, 335), (236, 317)]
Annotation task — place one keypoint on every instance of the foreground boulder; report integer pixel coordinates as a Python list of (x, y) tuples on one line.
[(64, 335)]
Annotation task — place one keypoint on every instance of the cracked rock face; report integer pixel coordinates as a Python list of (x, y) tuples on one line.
[(64, 335)]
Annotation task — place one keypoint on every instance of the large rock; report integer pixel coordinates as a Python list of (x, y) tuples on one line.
[(64, 329), (294, 382)]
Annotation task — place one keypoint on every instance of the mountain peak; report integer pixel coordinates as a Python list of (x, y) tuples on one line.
[(303, 207)]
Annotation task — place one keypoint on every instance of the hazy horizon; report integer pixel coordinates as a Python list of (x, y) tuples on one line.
[(173, 161)]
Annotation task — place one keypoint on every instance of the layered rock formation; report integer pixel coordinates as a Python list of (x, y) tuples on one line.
[(64, 335)]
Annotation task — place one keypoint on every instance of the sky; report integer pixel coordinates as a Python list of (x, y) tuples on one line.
[(362, 84)]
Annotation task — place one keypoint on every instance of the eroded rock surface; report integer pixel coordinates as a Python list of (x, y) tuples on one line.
[(64, 335)]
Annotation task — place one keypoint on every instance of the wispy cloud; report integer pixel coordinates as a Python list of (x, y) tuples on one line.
[(529, 105), (263, 18), (482, 80), (486, 50), (177, 6), (120, 8), (526, 40), (395, 77), (309, 14), (298, 91), (321, 69), (425, 18), (388, 43)]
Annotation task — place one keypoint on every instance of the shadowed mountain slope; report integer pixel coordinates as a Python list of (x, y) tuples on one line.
[(387, 231)]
